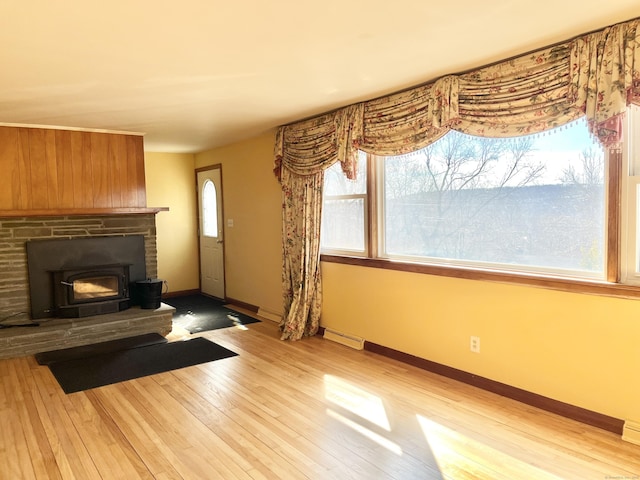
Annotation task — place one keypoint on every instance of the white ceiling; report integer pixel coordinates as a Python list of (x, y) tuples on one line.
[(196, 74)]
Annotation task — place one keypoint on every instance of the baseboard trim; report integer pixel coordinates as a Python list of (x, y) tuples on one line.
[(269, 315), (238, 303), (181, 293), (573, 412)]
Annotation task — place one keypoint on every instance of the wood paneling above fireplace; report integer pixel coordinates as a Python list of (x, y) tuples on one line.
[(60, 172)]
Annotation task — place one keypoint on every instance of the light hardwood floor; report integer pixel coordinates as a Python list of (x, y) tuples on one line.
[(307, 409)]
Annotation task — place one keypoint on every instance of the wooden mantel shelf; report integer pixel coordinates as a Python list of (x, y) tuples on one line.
[(63, 212)]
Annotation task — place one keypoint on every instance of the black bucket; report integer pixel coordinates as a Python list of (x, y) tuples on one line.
[(149, 292)]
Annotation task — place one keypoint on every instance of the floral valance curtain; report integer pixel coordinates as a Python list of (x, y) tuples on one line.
[(525, 95), (596, 75), (314, 145), (605, 77)]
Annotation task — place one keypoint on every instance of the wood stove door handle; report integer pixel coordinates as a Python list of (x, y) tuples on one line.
[(67, 284)]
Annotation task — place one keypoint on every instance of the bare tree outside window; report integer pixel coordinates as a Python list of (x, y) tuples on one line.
[(496, 200), (436, 195), (586, 175), (588, 171)]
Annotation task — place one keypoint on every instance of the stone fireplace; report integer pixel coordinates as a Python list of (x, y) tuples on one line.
[(135, 232), (63, 185)]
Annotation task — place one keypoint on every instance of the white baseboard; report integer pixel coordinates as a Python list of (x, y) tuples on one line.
[(344, 339), (631, 432), (269, 315)]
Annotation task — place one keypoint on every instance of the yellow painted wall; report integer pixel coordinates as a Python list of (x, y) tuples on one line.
[(251, 197), (580, 349), (170, 182)]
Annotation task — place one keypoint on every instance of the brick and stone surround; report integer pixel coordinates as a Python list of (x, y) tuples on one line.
[(14, 284)]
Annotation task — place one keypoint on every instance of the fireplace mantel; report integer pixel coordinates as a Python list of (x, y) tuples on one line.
[(69, 212)]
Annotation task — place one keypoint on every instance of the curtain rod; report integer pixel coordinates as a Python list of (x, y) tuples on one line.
[(463, 72)]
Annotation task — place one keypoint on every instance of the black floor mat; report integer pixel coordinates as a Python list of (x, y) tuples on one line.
[(107, 368), (199, 313)]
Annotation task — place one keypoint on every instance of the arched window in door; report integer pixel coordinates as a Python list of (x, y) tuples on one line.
[(209, 210)]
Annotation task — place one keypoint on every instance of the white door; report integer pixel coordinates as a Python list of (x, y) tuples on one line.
[(211, 232)]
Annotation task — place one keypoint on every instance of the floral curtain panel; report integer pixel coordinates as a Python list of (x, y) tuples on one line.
[(595, 75), (303, 151), (302, 288)]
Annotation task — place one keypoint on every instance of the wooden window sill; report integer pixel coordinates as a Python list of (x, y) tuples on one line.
[(541, 281)]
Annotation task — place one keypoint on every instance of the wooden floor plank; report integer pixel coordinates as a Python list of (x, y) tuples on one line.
[(311, 409), (40, 454), (142, 432), (262, 462)]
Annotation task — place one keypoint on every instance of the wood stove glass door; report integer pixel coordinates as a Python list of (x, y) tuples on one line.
[(211, 232)]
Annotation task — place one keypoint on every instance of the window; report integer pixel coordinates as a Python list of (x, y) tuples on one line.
[(527, 205), (345, 211), (209, 210)]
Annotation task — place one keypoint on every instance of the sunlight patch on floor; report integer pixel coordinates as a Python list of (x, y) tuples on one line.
[(361, 403), (453, 450), (356, 400), (379, 439)]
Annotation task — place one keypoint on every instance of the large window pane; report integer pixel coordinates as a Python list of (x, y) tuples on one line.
[(535, 202), (343, 225), (344, 216)]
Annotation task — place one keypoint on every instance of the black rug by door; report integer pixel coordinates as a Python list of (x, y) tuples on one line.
[(84, 373), (199, 313)]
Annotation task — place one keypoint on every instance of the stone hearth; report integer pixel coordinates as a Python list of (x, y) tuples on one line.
[(59, 333)]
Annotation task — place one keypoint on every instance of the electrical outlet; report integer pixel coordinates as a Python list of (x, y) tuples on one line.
[(474, 344)]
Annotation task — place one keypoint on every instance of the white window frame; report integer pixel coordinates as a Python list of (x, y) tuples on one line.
[(630, 237)]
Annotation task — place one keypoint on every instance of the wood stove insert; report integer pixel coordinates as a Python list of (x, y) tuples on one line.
[(91, 290), (95, 267)]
